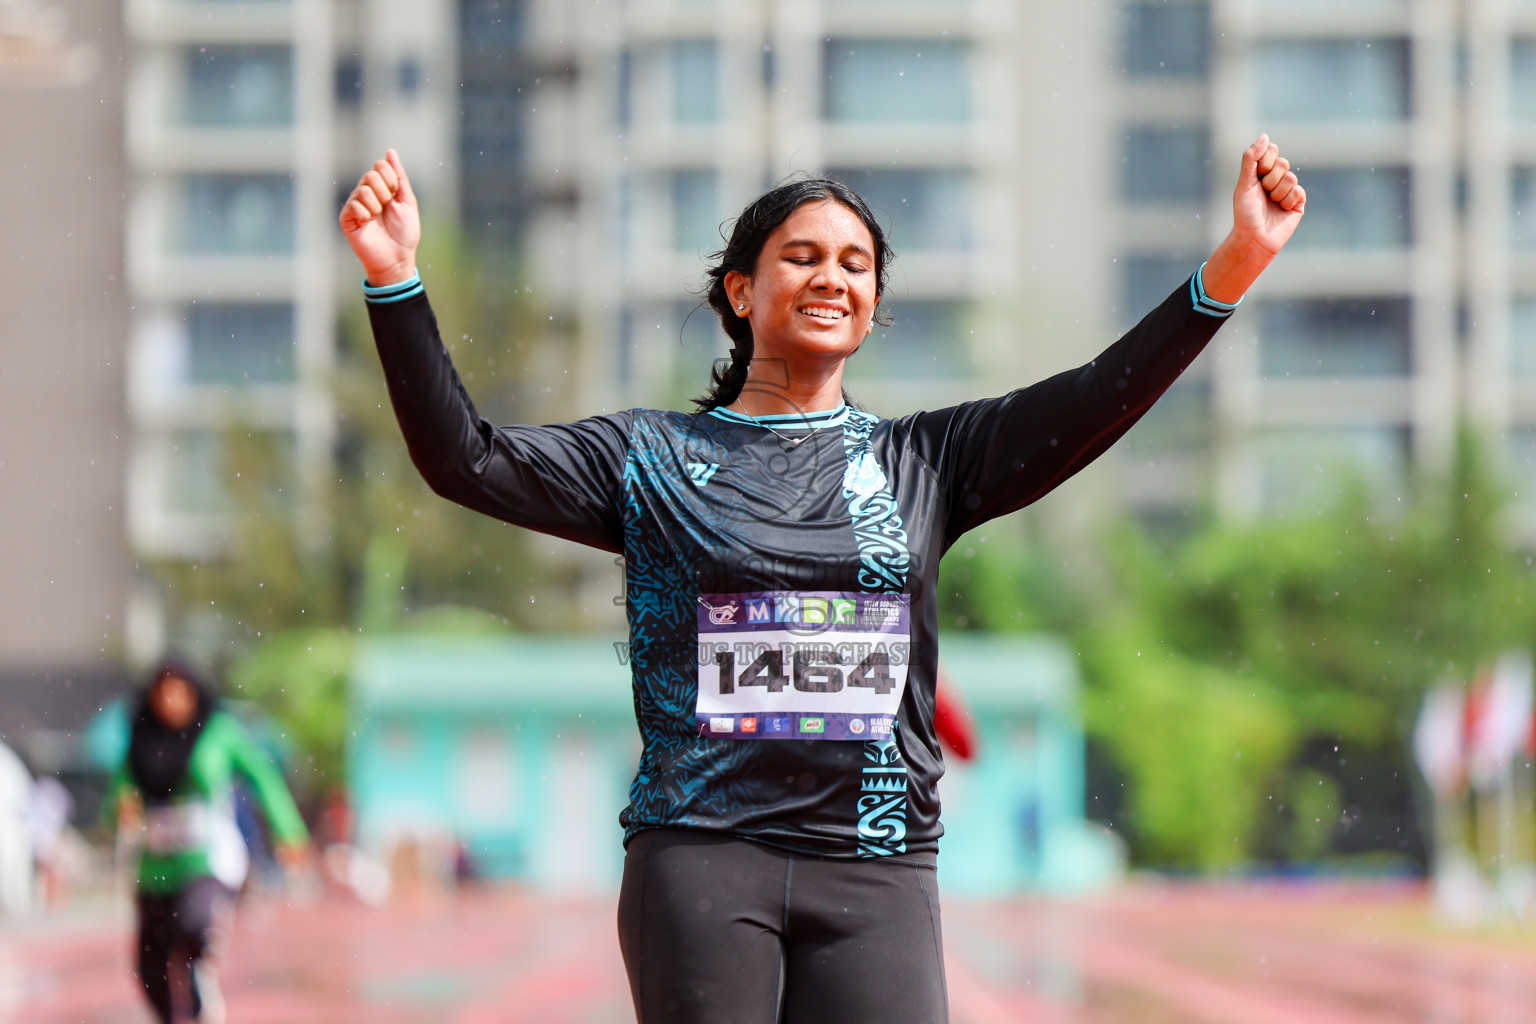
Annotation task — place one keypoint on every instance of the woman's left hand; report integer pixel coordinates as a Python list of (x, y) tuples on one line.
[(1268, 201), (1267, 204)]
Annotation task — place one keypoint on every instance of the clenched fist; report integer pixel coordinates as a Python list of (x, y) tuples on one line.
[(1268, 201), (1267, 204), (383, 223)]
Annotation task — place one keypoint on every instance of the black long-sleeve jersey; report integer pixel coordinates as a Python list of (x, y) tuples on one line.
[(780, 571)]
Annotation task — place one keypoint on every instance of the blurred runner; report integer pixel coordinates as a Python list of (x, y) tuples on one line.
[(51, 809), (15, 834), (781, 552), (177, 782)]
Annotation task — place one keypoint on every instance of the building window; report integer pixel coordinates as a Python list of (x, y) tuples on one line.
[(695, 202), (200, 466), (240, 86), (493, 27), (1332, 79), (1522, 212), (1522, 337), (1356, 208), (697, 336), (237, 214), (1520, 456), (194, 474), (349, 81), (924, 210), (624, 100), (409, 77), (1161, 163), (240, 342), (1306, 468), (1147, 279), (929, 340), (695, 77), (492, 127), (1170, 40), (1335, 338), (1522, 80), (884, 80)]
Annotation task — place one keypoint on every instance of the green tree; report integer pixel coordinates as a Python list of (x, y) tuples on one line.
[(1215, 663)]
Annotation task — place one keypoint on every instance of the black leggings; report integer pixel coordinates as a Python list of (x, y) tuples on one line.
[(179, 928), (716, 929)]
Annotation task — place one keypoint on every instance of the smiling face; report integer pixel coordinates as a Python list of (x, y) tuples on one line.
[(812, 295)]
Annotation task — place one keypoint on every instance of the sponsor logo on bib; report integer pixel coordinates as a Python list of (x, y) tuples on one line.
[(722, 725), (749, 725), (856, 726), (813, 725)]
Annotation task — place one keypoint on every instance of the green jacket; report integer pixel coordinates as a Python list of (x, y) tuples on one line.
[(183, 839)]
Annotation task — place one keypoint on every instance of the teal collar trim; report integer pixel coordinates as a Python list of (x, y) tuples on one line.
[(788, 420)]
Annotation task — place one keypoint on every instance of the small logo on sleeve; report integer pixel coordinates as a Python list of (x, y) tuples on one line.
[(700, 472)]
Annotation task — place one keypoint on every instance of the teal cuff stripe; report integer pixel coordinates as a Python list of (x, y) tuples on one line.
[(397, 292), (1204, 303)]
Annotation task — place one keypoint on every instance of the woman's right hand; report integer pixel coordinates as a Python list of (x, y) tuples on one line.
[(382, 222)]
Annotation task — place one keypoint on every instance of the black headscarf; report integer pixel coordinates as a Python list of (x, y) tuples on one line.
[(158, 755)]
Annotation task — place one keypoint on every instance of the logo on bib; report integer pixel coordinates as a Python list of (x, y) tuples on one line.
[(856, 726), (722, 725), (749, 725), (813, 725)]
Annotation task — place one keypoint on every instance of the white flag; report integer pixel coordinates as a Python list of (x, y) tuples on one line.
[(1438, 737)]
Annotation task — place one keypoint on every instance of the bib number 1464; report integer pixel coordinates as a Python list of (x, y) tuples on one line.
[(812, 671)]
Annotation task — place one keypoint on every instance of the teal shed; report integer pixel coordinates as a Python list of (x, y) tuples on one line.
[(521, 749)]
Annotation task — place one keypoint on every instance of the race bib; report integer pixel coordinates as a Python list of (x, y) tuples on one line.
[(177, 828), (821, 665)]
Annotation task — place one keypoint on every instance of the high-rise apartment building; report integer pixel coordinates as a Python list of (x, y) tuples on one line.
[(1403, 305)]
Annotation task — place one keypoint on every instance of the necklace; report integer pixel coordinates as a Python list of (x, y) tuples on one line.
[(793, 442)]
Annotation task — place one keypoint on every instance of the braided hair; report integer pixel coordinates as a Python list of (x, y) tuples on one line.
[(748, 236)]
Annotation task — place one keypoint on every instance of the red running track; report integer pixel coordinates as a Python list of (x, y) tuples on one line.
[(1144, 955)]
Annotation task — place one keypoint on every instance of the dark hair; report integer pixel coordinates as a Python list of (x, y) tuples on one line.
[(158, 754), (748, 236)]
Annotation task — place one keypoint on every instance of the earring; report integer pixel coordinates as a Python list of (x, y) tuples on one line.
[(741, 305)]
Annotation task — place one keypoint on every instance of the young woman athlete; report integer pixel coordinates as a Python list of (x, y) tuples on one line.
[(177, 782), (781, 550)]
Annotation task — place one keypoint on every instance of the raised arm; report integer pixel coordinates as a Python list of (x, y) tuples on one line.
[(998, 455), (267, 783), (562, 480)]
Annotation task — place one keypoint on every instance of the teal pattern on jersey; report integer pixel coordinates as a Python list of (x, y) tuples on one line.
[(884, 561)]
